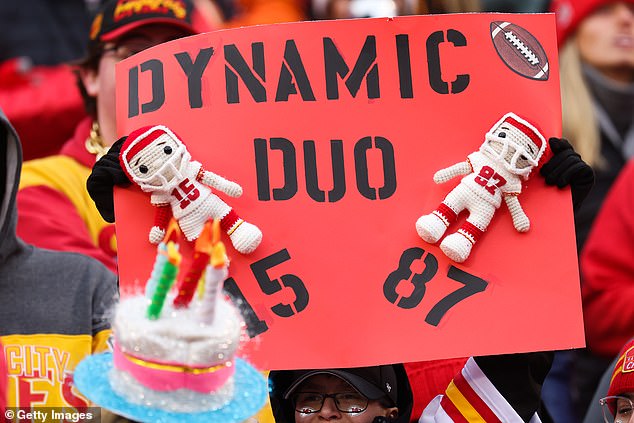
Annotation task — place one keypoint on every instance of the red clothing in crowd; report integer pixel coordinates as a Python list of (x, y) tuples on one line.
[(55, 210), (607, 266)]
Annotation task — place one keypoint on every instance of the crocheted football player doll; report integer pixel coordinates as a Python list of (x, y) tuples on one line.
[(512, 148), (158, 161)]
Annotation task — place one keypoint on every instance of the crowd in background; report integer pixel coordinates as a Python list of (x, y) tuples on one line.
[(57, 91)]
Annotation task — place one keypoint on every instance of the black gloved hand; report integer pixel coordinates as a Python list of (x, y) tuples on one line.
[(107, 173), (566, 167)]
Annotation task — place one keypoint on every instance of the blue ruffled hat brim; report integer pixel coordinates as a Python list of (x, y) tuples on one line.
[(250, 392)]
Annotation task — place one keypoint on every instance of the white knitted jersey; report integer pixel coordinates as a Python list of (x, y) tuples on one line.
[(192, 202), (187, 196), (490, 180)]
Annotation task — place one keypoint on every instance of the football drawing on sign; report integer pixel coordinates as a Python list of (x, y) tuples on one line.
[(520, 50), (158, 162), (511, 150)]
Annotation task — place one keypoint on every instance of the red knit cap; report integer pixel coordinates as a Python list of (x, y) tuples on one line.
[(623, 376), (136, 141), (571, 12)]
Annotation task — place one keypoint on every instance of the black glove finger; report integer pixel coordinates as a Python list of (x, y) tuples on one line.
[(558, 145), (561, 149), (556, 169)]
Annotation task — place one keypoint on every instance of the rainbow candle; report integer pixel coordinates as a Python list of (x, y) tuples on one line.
[(166, 279), (215, 274), (202, 251), (161, 258)]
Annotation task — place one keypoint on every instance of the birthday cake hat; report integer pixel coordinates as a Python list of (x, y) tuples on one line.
[(175, 360)]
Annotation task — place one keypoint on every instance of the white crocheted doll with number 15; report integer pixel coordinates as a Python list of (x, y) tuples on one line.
[(511, 150), (157, 160)]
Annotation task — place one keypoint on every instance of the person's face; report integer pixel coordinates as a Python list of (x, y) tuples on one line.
[(100, 83), (606, 41), (330, 384)]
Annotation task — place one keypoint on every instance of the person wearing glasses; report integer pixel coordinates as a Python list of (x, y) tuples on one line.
[(618, 405), (55, 210), (504, 388), (356, 395)]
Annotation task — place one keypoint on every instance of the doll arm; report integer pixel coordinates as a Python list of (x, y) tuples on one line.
[(230, 188), (161, 219), (448, 173), (520, 220)]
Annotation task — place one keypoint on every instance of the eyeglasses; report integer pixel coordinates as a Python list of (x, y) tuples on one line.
[(621, 406), (346, 402)]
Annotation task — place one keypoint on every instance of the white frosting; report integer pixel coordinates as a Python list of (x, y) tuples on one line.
[(177, 336)]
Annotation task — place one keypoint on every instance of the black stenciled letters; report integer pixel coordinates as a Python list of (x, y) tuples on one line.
[(433, 62), (133, 92), (293, 72), (158, 88), (338, 172), (239, 65), (365, 67), (361, 168), (262, 169), (268, 286), (289, 162), (403, 273), (404, 66), (194, 71), (255, 325), (271, 286), (472, 284)]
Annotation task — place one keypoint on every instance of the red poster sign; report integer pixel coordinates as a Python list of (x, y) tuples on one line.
[(334, 130)]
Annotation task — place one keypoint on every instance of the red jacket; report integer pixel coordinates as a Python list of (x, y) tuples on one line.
[(55, 210), (43, 104), (607, 266)]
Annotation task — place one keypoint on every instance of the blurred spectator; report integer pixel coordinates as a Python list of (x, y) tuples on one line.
[(597, 84), (607, 265), (55, 210), (37, 91), (613, 399), (3, 380), (54, 306), (515, 6), (346, 9), (256, 12), (39, 38)]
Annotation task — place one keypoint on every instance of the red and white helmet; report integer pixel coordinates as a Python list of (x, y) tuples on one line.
[(154, 158), (515, 143)]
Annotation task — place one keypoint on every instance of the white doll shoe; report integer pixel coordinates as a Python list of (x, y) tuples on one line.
[(245, 237), (430, 227), (456, 246)]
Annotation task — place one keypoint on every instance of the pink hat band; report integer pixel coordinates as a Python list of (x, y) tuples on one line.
[(170, 377)]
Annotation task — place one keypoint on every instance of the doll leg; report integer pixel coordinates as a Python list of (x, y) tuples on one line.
[(458, 245), (432, 226), (244, 236)]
